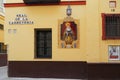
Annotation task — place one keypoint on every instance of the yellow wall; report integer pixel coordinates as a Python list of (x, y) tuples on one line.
[(97, 49), (14, 1), (104, 8), (92, 31), (21, 44), (92, 47), (1, 31)]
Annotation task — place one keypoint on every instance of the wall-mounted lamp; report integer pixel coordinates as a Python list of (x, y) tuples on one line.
[(69, 10)]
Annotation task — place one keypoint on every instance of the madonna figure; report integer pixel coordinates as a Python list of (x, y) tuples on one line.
[(68, 34)]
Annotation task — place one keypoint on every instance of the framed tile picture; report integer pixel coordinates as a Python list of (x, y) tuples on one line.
[(68, 33), (114, 52)]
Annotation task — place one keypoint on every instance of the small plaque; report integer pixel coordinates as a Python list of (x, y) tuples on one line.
[(112, 4)]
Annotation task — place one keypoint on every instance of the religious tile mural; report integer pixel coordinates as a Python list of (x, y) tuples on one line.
[(68, 34)]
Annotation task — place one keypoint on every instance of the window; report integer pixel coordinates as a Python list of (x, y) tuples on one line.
[(3, 48), (111, 26), (1, 27), (43, 43)]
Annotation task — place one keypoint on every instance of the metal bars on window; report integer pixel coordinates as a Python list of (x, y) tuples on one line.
[(112, 26), (43, 43), (3, 48)]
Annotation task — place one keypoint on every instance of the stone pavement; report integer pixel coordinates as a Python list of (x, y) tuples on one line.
[(3, 76)]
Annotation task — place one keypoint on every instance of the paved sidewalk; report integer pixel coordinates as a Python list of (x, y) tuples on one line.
[(3, 76)]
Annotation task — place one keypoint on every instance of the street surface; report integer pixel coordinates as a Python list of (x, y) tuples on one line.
[(3, 76)]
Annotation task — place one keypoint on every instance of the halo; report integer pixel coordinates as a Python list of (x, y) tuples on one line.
[(67, 24)]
